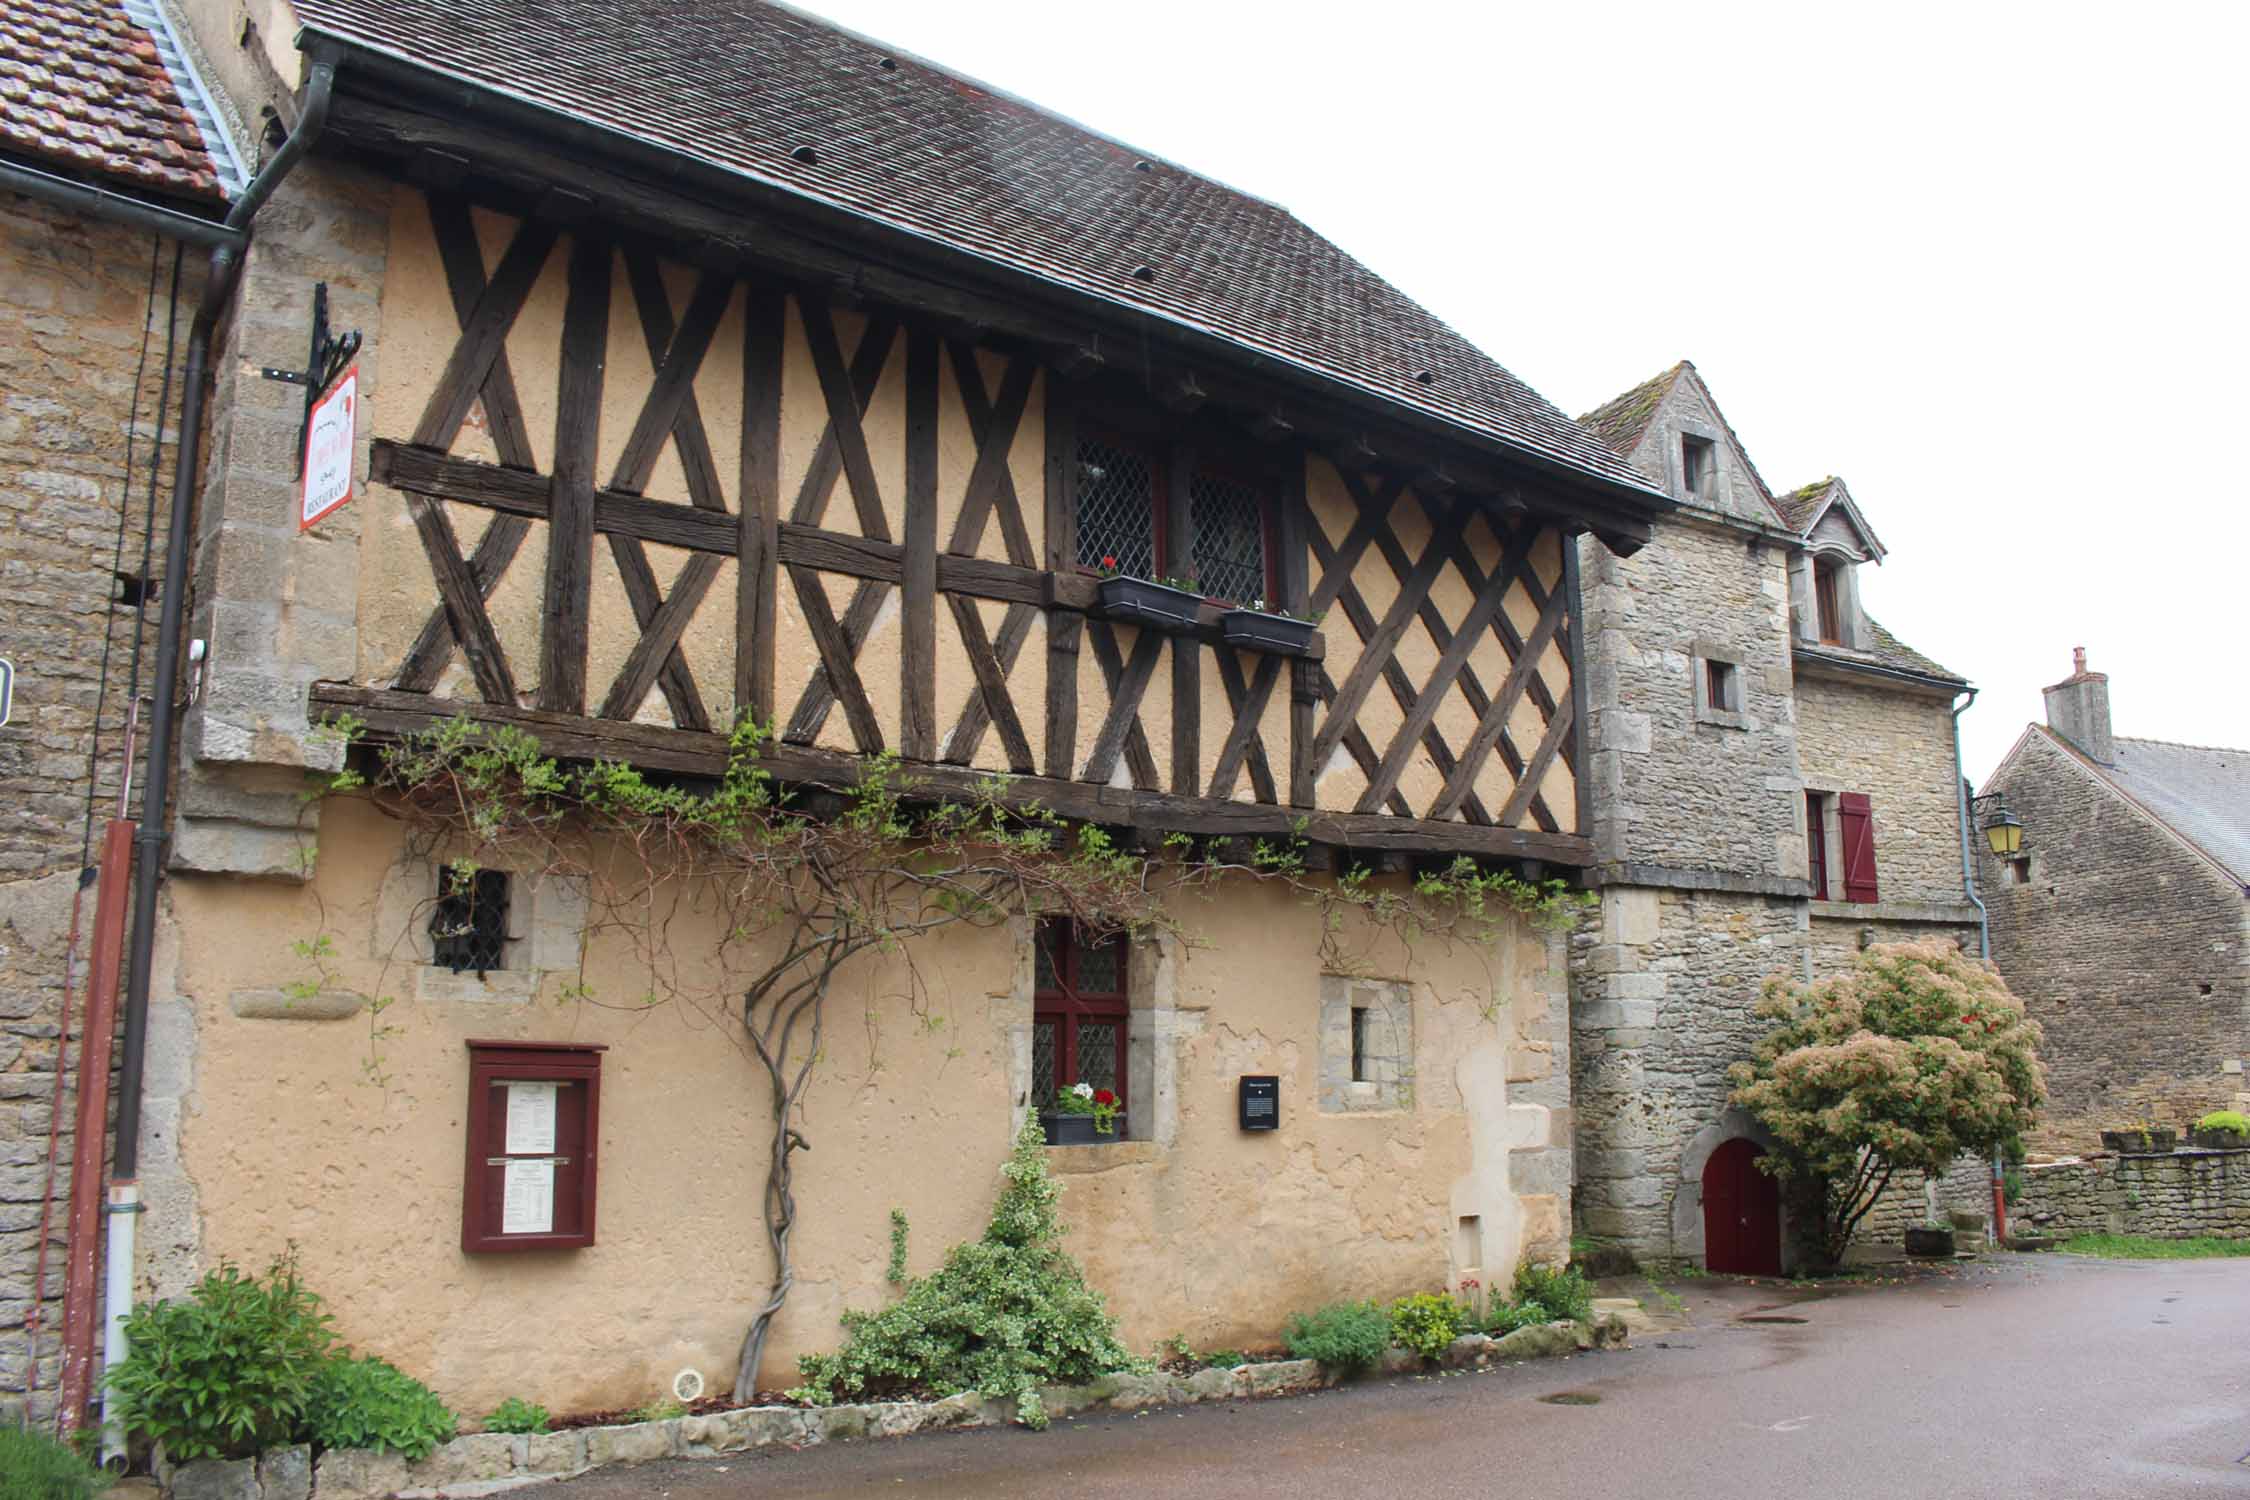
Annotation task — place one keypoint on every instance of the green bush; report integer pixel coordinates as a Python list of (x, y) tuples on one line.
[(516, 1415), (2233, 1121), (1561, 1291), (33, 1466), (1426, 1323), (1005, 1315), (1506, 1317), (227, 1370), (371, 1403), (1343, 1336)]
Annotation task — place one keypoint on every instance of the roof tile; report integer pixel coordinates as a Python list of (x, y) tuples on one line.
[(83, 87)]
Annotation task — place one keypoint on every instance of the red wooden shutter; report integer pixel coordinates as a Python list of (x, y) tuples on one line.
[(1858, 819)]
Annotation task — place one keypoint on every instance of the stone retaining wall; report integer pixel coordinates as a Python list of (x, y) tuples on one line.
[(2178, 1196), (491, 1463)]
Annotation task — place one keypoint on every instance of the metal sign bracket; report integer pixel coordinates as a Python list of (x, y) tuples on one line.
[(331, 355)]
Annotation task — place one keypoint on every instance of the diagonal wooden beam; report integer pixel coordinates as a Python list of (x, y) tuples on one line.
[(1512, 641), (1355, 743), (1492, 726), (1121, 728), (992, 698), (463, 602), (839, 653), (1245, 741), (483, 334), (1527, 783), (656, 657), (503, 412), (1362, 620), (993, 428), (847, 402), (976, 716), (1343, 713), (676, 354), (1451, 661)]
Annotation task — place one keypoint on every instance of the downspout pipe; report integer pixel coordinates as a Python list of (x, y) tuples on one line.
[(156, 779), (1984, 942)]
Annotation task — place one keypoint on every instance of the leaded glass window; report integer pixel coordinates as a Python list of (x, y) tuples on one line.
[(1080, 1012), (469, 923), (1117, 505), (1227, 523)]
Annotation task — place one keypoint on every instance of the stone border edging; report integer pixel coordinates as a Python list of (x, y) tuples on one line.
[(493, 1463)]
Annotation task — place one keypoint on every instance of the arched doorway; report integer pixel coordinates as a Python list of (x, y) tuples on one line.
[(1741, 1212)]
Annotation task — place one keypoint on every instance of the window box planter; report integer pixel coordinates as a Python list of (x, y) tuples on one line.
[(1078, 1130), (1255, 630), (1930, 1244), (1146, 602), (2141, 1142)]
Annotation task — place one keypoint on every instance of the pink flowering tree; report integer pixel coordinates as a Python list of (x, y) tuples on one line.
[(1913, 1057)]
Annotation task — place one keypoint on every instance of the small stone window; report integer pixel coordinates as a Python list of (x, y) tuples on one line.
[(469, 924), (2019, 870), (1698, 459), (1366, 1045), (1828, 600), (1719, 692)]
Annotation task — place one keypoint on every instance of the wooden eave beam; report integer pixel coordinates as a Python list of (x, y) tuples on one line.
[(1071, 332), (388, 714)]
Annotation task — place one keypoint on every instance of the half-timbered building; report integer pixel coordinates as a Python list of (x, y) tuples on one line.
[(722, 363)]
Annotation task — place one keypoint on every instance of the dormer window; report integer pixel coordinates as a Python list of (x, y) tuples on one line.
[(1828, 599), (1698, 457)]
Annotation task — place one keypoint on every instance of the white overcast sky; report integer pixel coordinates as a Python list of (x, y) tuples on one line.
[(1986, 262)]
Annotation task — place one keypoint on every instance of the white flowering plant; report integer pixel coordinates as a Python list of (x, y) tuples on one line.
[(1085, 1099)]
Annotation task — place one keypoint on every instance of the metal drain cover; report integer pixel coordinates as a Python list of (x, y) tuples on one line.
[(1768, 1318), (1572, 1398)]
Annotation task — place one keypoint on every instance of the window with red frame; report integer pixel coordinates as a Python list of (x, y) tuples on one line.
[(1126, 520), (1079, 1013)]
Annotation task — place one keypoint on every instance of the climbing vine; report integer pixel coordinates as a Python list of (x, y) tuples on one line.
[(800, 883)]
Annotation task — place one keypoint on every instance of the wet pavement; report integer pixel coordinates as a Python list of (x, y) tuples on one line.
[(2012, 1376)]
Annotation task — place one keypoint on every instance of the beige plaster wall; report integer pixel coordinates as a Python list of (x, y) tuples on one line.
[(287, 1138)]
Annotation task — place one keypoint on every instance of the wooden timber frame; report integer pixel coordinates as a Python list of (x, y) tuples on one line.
[(835, 563)]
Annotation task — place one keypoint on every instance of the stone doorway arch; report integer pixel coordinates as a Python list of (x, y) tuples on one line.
[(1741, 1212)]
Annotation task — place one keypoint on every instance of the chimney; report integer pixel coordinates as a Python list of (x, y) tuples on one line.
[(2078, 709)]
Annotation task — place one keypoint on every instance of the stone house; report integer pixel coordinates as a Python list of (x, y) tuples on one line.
[(114, 174), (860, 374), (2125, 921), (1775, 784)]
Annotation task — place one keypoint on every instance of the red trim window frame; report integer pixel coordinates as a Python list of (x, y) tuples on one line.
[(577, 1070), (1066, 995), (1157, 456)]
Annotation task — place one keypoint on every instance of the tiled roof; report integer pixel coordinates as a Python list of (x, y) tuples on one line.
[(83, 88), (1621, 420), (1800, 505), (1887, 650), (2203, 793), (756, 89)]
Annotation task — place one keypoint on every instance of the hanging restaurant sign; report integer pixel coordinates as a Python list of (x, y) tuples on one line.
[(331, 430)]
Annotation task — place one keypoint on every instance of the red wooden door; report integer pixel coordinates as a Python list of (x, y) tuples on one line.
[(1741, 1212)]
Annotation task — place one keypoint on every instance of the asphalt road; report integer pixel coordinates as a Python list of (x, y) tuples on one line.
[(2013, 1376)]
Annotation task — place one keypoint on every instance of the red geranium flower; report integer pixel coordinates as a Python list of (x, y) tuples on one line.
[(1104, 1097)]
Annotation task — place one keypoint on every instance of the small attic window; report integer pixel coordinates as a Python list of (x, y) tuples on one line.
[(1828, 599), (1698, 457)]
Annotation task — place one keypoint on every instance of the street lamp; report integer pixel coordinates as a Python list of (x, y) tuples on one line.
[(2002, 832)]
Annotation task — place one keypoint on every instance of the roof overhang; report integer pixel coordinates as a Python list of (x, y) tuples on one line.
[(428, 124), (1811, 661)]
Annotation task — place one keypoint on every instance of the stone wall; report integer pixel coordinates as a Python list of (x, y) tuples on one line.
[(2178, 1196), (1896, 746), (1667, 788), (2130, 949), (74, 302)]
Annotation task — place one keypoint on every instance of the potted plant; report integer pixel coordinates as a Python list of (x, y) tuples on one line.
[(1933, 1241), (1082, 1116), (1259, 626), (1166, 603), (2222, 1130), (2140, 1140)]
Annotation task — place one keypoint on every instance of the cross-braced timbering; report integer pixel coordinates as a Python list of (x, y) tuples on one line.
[(900, 554)]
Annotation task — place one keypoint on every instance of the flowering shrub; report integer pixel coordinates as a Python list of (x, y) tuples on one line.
[(1913, 1057), (1085, 1099), (1426, 1322)]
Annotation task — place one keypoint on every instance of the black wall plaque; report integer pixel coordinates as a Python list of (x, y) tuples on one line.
[(1258, 1100)]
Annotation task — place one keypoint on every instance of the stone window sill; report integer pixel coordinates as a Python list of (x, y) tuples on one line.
[(1078, 1161)]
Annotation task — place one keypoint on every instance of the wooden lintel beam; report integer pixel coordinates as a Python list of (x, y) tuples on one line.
[(388, 713)]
